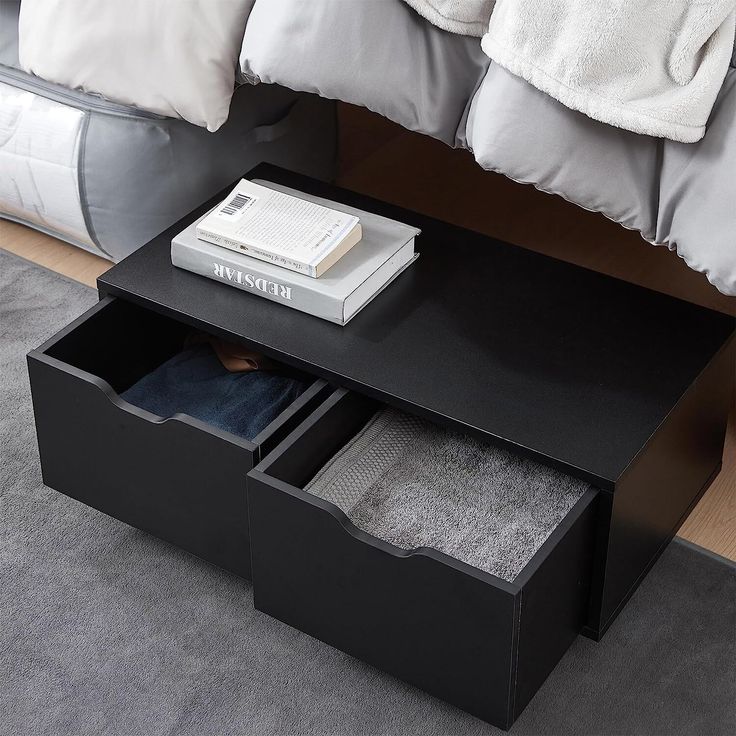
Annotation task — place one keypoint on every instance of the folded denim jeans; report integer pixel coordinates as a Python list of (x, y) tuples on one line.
[(195, 382)]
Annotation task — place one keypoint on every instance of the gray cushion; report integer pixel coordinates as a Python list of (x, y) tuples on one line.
[(9, 10), (696, 213), (378, 54), (676, 194)]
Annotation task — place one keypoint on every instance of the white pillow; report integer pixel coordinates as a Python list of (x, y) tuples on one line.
[(177, 58)]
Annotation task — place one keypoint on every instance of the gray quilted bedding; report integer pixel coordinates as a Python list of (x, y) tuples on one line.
[(384, 56)]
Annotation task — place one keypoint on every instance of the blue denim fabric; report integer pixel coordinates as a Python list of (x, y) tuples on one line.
[(194, 382)]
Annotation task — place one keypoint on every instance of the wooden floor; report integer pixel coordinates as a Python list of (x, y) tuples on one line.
[(52, 253), (383, 160)]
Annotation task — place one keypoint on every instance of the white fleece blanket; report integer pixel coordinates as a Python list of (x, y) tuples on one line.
[(653, 67), (466, 17)]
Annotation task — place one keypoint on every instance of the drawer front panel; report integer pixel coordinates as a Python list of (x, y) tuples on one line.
[(483, 644), (423, 621), (170, 479), (554, 598)]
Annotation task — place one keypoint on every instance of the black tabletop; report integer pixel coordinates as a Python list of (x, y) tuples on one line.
[(561, 363)]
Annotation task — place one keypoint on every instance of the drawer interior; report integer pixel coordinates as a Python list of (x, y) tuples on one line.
[(412, 484), (120, 343), (123, 342), (123, 345)]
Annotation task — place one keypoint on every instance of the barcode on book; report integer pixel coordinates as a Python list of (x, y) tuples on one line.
[(235, 206)]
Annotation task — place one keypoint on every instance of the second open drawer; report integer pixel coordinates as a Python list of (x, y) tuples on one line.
[(467, 636)]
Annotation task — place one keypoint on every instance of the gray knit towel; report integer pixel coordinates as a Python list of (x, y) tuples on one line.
[(414, 484)]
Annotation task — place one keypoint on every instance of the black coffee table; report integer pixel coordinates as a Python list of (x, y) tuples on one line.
[(609, 382)]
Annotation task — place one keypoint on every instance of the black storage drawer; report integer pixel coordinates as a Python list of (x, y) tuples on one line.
[(479, 642), (177, 478)]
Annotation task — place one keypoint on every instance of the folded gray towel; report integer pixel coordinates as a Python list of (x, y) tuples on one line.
[(413, 484)]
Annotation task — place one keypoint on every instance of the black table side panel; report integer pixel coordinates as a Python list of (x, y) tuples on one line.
[(658, 492)]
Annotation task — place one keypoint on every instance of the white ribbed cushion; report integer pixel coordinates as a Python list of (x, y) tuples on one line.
[(172, 57)]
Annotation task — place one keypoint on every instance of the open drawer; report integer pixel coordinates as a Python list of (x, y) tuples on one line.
[(177, 478), (467, 636)]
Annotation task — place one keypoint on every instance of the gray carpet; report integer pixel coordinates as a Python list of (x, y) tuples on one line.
[(105, 630)]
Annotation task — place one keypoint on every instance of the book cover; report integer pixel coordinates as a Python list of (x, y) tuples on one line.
[(386, 249), (288, 230)]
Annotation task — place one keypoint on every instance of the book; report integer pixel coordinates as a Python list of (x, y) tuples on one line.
[(386, 250), (285, 229)]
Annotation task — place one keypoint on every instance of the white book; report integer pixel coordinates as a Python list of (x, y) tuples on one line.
[(386, 249), (284, 229)]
